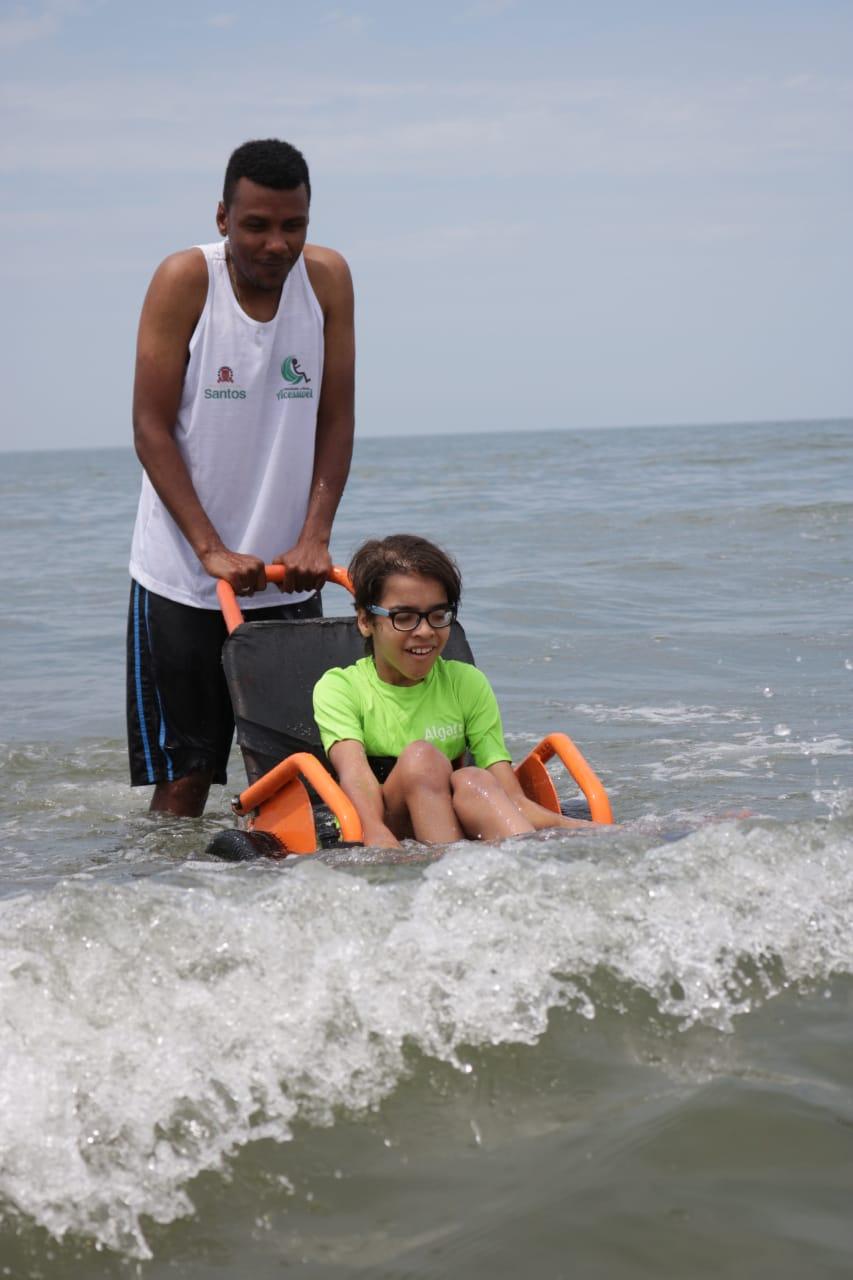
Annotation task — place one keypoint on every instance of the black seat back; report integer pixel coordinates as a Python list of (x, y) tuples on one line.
[(271, 669)]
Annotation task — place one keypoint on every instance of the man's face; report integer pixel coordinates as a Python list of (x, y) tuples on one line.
[(266, 231)]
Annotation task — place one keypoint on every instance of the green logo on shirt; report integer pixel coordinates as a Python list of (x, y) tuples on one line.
[(298, 379), (291, 372)]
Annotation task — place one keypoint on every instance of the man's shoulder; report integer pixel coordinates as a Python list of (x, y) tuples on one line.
[(177, 293), (329, 274), (186, 269), (174, 302), (318, 255)]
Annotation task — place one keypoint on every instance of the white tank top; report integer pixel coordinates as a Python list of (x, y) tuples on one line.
[(245, 429)]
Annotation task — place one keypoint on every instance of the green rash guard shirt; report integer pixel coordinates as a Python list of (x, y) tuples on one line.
[(453, 707)]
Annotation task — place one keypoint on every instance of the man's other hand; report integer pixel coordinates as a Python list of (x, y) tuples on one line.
[(306, 566)]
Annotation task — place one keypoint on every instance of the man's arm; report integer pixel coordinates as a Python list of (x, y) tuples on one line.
[(172, 306), (309, 561), (359, 782)]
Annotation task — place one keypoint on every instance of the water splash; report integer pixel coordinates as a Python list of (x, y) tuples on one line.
[(155, 1026)]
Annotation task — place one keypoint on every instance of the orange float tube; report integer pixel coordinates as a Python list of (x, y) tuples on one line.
[(536, 782), (233, 614), (283, 806)]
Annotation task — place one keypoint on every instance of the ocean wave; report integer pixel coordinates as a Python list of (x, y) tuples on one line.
[(154, 1027)]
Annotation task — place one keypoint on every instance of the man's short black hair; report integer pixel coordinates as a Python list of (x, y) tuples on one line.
[(270, 163)]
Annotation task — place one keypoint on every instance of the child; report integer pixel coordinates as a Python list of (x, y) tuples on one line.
[(405, 701)]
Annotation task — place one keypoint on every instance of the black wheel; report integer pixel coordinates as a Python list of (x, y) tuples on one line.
[(328, 831), (245, 846)]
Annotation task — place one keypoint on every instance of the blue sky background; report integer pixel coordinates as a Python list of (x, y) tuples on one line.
[(557, 214)]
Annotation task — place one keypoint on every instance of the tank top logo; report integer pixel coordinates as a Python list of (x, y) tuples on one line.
[(298, 387), (224, 374)]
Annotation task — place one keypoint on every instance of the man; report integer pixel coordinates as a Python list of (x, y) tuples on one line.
[(243, 423)]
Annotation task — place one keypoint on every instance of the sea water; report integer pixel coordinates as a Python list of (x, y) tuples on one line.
[(621, 1053)]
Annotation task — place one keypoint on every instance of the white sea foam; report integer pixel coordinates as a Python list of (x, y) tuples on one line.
[(741, 755), (153, 1027), (674, 713)]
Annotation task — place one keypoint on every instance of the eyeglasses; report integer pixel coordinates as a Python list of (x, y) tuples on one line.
[(438, 617)]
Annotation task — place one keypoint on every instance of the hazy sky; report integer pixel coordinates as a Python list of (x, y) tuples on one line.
[(569, 214)]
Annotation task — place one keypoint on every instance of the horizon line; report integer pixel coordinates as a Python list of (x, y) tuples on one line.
[(479, 431)]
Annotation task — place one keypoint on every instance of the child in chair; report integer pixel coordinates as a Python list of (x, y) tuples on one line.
[(403, 700)]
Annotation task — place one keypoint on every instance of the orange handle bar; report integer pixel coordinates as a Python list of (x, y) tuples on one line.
[(231, 610), (561, 745), (322, 782)]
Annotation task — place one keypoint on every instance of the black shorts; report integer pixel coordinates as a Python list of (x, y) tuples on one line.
[(179, 716)]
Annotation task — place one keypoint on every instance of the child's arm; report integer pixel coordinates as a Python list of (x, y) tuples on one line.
[(536, 814), (360, 783)]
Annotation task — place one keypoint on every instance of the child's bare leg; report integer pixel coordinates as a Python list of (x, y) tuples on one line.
[(483, 808), (417, 796)]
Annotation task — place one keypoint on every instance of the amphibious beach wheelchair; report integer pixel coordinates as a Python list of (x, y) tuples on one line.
[(293, 805)]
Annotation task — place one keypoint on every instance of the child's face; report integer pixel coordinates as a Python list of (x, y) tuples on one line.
[(405, 657)]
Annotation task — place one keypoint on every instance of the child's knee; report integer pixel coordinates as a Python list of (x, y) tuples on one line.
[(472, 781), (422, 762)]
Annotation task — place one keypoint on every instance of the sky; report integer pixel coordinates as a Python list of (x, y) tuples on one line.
[(557, 215)]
